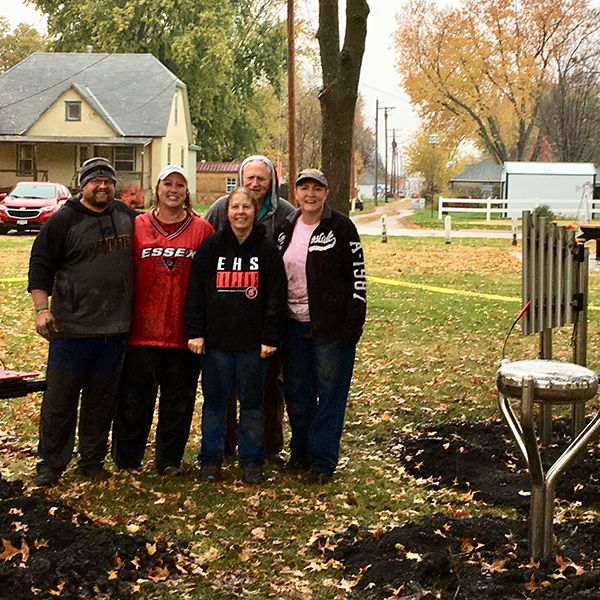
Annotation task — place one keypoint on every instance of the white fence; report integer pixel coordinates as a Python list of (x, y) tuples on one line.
[(510, 208)]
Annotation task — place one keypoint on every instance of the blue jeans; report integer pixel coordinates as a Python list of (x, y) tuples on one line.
[(222, 374), (86, 366), (316, 382)]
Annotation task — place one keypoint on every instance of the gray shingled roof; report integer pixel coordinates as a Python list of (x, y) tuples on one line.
[(132, 92), (486, 171)]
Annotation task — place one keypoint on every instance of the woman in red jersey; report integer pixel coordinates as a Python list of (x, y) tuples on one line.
[(165, 241)]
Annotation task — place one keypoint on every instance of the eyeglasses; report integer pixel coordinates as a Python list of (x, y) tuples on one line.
[(102, 181)]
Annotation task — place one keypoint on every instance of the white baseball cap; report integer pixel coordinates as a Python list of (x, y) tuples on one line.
[(172, 169)]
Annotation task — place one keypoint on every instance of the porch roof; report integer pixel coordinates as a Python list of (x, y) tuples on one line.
[(55, 139)]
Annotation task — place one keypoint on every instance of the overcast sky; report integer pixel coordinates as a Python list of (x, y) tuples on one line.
[(378, 77)]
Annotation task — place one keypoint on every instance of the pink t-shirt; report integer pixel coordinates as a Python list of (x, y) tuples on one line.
[(294, 260)]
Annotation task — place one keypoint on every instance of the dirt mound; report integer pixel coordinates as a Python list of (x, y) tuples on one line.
[(478, 557), (481, 457), (48, 550)]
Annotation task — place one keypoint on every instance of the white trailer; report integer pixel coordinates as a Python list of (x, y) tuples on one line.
[(559, 185)]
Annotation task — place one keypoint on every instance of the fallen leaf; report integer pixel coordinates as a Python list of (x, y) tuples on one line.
[(58, 590), (150, 548), (414, 556), (244, 556), (9, 551), (158, 574)]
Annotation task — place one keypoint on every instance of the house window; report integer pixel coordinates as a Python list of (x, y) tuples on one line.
[(182, 156), (104, 152), (230, 185), (83, 153), (24, 159), (125, 158), (168, 154), (72, 111)]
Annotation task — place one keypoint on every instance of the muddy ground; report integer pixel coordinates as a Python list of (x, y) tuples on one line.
[(50, 551), (482, 557)]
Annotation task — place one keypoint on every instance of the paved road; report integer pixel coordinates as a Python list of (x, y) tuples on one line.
[(370, 224)]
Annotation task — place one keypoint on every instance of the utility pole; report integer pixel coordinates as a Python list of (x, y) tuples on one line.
[(377, 109), (376, 151), (395, 170), (291, 102), (386, 110)]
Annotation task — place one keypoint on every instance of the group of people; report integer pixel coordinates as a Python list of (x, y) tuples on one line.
[(266, 301)]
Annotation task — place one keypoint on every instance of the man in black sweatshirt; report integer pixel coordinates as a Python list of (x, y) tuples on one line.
[(82, 258)]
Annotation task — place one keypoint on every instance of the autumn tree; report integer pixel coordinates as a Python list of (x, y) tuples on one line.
[(364, 140), (570, 117), (437, 158), (18, 44), (483, 68), (230, 53), (341, 72)]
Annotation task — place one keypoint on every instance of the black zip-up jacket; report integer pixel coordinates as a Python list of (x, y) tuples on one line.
[(335, 273), (236, 297), (84, 260)]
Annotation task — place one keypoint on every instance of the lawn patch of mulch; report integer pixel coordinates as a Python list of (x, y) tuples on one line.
[(475, 558), (479, 557), (482, 457), (48, 550)]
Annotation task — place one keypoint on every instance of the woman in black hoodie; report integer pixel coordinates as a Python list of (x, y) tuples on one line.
[(234, 315)]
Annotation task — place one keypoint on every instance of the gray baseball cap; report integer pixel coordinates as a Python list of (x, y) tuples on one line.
[(312, 174)]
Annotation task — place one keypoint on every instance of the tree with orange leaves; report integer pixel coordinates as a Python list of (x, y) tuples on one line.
[(482, 68)]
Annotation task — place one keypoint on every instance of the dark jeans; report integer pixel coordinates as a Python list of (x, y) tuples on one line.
[(225, 373), (86, 366), (274, 409), (316, 382), (147, 370)]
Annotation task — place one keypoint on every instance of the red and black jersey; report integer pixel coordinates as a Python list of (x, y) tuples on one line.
[(163, 260)]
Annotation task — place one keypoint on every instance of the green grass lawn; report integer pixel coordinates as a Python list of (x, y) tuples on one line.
[(425, 218), (425, 357)]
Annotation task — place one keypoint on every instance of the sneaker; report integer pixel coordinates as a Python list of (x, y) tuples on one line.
[(316, 477), (210, 472), (276, 460), (253, 474), (46, 478), (95, 473), (170, 471)]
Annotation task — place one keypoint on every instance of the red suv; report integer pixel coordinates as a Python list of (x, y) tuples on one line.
[(30, 204)]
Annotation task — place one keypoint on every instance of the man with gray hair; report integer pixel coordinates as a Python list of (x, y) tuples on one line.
[(258, 174), (82, 258)]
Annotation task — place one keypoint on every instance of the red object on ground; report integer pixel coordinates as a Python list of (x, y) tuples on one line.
[(16, 375), (14, 384)]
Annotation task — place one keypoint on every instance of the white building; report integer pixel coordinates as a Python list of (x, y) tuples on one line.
[(559, 185)]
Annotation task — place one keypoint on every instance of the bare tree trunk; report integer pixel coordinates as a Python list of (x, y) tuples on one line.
[(341, 72)]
